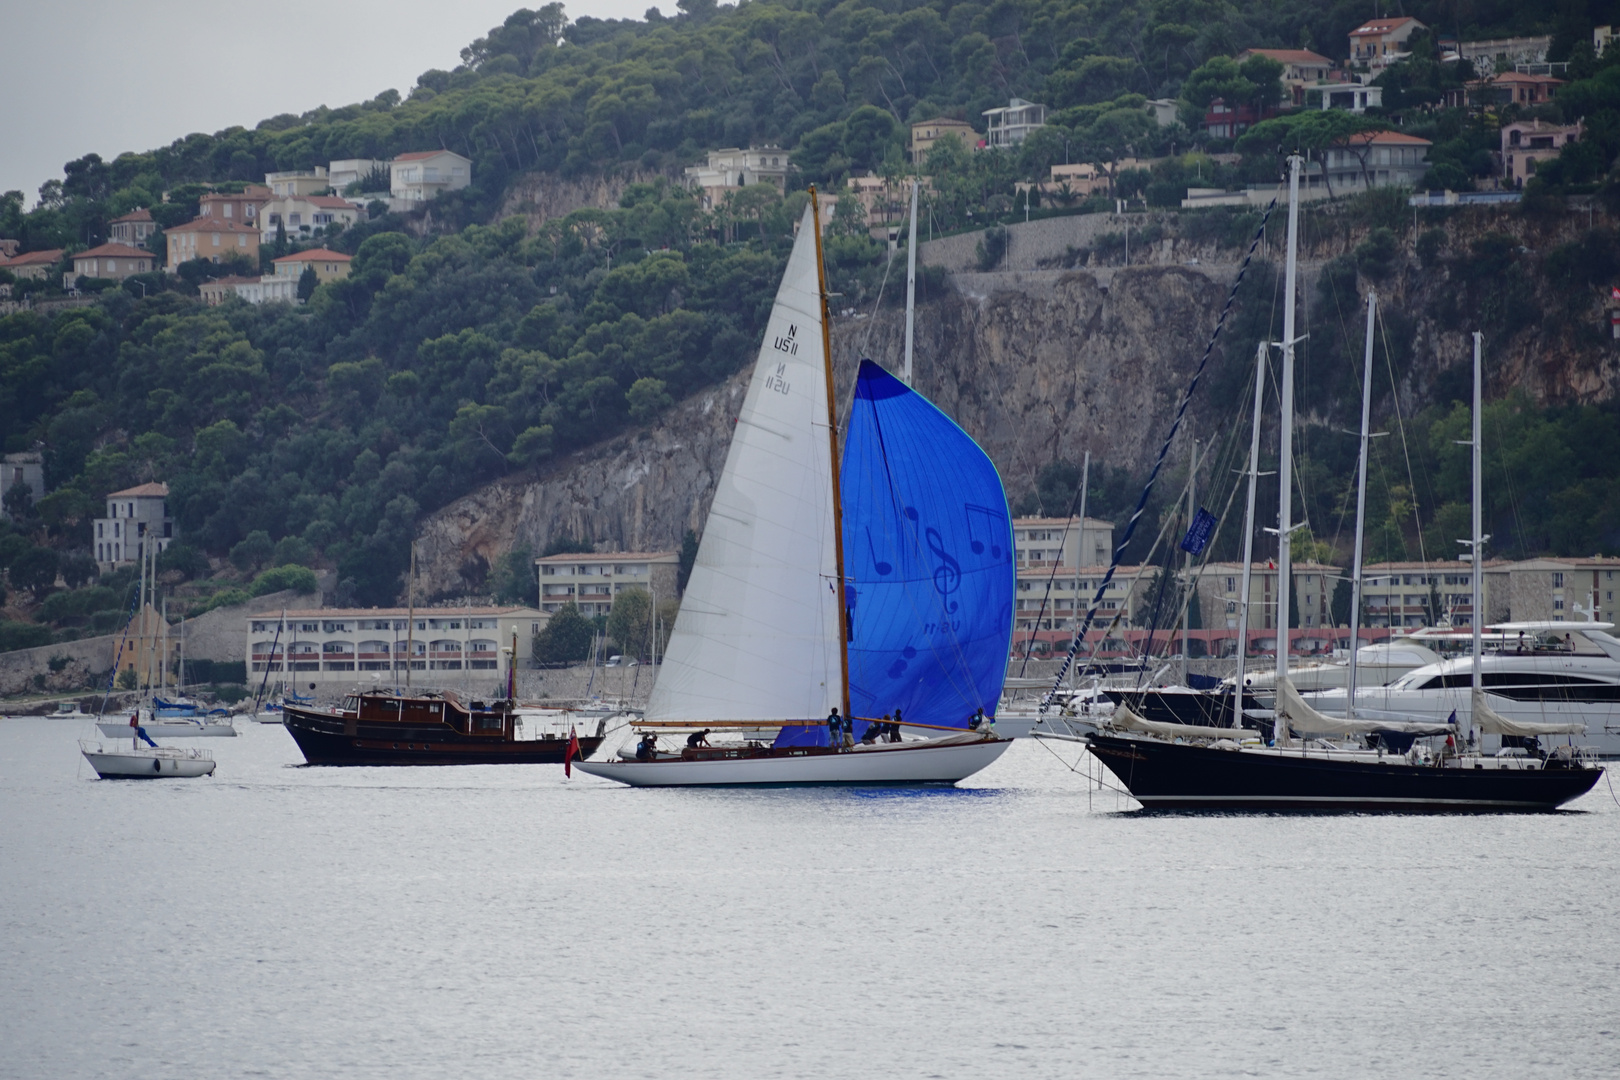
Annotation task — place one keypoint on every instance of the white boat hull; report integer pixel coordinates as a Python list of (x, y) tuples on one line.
[(917, 763), (148, 763), (168, 729)]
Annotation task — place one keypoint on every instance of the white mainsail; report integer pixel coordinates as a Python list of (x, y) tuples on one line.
[(757, 637)]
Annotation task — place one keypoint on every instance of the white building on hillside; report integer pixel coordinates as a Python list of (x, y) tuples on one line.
[(1013, 124), (422, 175), (135, 517), (336, 648), (353, 170), (733, 168), (591, 581)]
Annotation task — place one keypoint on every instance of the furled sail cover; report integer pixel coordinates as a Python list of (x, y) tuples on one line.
[(928, 557), (757, 634)]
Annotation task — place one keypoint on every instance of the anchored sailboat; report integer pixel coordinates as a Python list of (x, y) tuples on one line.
[(880, 591), (1204, 768)]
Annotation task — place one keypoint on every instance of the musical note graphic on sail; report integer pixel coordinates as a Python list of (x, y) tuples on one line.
[(991, 523), (883, 568), (948, 574)]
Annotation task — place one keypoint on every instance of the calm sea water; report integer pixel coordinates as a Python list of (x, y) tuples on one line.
[(275, 921)]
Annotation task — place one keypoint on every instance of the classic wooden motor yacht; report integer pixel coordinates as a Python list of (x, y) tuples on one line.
[(385, 728)]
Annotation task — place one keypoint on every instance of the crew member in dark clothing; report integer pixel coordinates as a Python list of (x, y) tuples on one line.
[(835, 726), (874, 730), (647, 748), (894, 728), (975, 720), (697, 739)]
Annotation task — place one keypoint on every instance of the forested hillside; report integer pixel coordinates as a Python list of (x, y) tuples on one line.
[(464, 347)]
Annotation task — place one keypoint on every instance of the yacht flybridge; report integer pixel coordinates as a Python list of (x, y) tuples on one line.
[(845, 622)]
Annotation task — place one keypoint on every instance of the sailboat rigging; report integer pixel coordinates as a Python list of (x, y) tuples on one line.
[(835, 599), (1218, 769)]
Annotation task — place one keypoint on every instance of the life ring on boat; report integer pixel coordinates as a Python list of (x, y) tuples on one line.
[(157, 764)]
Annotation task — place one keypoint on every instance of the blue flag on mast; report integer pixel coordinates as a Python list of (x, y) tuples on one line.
[(1199, 532)]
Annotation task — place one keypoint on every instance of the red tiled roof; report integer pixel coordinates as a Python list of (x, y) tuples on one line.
[(275, 615), (418, 155), (141, 489), (1521, 77), (1381, 26), (143, 214), (114, 250), (1388, 138), (208, 224), (34, 258), (1289, 56), (315, 255)]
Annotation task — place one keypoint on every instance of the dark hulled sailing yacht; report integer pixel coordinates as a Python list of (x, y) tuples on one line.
[(1222, 768)]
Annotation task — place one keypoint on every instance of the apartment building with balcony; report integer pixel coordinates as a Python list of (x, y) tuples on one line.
[(592, 581), (335, 648)]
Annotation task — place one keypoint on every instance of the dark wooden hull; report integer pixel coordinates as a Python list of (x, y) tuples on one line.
[(1182, 776), (331, 739)]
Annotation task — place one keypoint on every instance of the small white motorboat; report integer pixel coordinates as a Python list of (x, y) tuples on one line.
[(146, 762), (68, 710)]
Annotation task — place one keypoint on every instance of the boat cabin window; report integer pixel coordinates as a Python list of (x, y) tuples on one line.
[(351, 704)]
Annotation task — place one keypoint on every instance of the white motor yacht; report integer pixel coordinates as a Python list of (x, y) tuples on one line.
[(1537, 672), (1377, 664)]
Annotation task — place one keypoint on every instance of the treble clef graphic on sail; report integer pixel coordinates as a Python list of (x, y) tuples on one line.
[(948, 574)]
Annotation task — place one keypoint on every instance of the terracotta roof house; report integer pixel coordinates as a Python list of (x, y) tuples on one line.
[(132, 228), (1380, 42), (115, 261), (328, 265), (210, 238), (33, 264)]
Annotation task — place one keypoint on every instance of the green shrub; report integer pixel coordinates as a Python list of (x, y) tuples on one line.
[(299, 578), (23, 635)]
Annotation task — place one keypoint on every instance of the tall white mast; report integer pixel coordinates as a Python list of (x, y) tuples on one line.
[(1477, 545), (911, 284), (1080, 547), (1285, 438), (1361, 506), (1186, 608), (1248, 532)]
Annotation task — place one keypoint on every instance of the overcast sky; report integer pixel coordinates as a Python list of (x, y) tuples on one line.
[(106, 76)]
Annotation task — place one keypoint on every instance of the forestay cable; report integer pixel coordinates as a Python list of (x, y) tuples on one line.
[(1147, 489)]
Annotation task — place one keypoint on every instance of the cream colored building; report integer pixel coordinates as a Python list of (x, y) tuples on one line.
[(328, 265), (925, 134), (297, 182), (327, 648), (733, 168), (240, 207), (592, 581), (300, 215), (348, 171), (422, 175), (136, 517), (212, 239), (1378, 43), (1067, 594), (1220, 593), (132, 228), (1040, 542), (33, 264), (113, 261), (1411, 594), (1564, 590)]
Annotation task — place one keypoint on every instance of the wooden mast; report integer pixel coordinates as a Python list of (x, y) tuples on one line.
[(832, 440)]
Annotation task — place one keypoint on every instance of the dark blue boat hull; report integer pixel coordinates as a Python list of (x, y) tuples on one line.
[(1183, 776)]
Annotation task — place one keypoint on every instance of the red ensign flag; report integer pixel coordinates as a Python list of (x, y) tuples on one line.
[(571, 753)]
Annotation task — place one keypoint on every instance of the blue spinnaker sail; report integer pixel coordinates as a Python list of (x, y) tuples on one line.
[(928, 558)]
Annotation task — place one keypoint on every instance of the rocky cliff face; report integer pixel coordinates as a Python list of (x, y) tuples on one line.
[(1043, 365), (1046, 366)]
